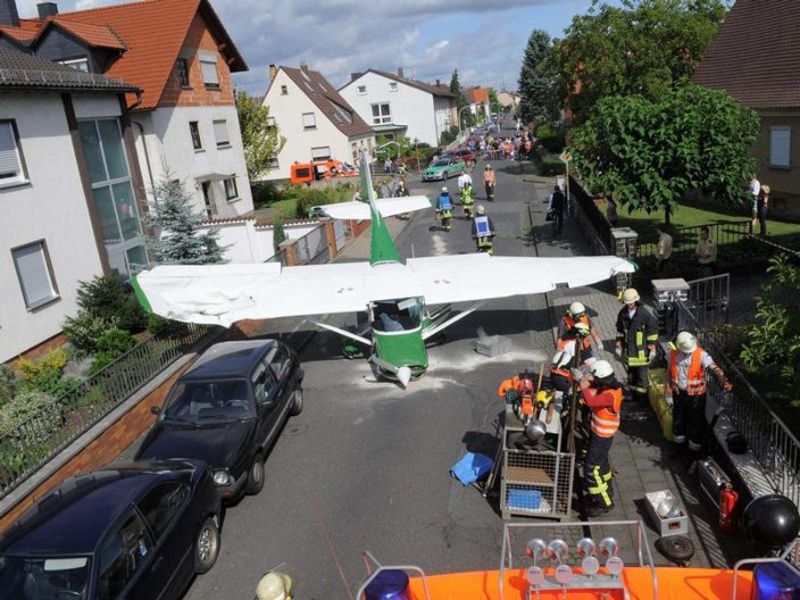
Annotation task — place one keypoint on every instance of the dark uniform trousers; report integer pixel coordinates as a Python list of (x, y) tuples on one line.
[(637, 382), (689, 419), (597, 470)]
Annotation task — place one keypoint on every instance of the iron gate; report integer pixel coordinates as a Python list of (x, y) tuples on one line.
[(709, 299)]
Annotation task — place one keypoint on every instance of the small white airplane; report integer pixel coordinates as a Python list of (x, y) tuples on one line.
[(396, 293)]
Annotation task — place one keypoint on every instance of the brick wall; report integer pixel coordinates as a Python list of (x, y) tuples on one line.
[(199, 38)]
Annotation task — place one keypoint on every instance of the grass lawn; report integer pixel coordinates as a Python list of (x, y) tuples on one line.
[(689, 215), (287, 208)]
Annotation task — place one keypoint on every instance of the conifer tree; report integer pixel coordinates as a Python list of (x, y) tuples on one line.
[(180, 240)]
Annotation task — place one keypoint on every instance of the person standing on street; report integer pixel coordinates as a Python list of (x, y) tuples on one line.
[(602, 393), (557, 204), (755, 189), (664, 248), (762, 204), (489, 182), (637, 334), (706, 253), (685, 392)]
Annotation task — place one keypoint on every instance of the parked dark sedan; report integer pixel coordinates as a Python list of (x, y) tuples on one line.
[(137, 531), (228, 410)]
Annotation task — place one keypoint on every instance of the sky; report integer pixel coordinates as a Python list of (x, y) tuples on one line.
[(483, 39)]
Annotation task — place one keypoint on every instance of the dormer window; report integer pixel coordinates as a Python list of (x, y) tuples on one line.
[(79, 64)]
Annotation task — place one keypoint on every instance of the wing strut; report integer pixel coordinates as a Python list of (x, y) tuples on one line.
[(431, 332), (343, 332)]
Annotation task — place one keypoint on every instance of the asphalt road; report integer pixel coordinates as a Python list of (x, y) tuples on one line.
[(366, 465)]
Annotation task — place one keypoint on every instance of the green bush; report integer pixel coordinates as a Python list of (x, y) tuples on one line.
[(310, 197), (166, 328), (84, 330), (46, 374), (108, 297), (111, 345), (33, 415), (545, 130), (448, 137), (265, 193), (8, 384)]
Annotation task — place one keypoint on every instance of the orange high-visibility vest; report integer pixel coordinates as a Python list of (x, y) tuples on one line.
[(488, 176), (569, 322), (605, 421), (695, 378)]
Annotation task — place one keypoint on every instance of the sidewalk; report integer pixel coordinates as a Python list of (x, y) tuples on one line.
[(639, 454)]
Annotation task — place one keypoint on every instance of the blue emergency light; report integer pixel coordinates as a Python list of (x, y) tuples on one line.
[(775, 581)]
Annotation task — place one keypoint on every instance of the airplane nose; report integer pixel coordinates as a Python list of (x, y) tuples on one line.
[(404, 376)]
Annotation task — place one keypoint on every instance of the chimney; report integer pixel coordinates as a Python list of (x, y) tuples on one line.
[(272, 72), (47, 9), (400, 72), (304, 66), (8, 13), (438, 82)]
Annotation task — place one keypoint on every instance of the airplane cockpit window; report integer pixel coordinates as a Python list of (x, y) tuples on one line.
[(397, 315)]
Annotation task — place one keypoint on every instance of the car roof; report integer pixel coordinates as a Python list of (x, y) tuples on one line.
[(229, 359), (73, 518)]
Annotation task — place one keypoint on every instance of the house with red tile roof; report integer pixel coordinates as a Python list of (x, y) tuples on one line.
[(756, 59), (316, 121), (396, 105), (479, 102), (178, 53)]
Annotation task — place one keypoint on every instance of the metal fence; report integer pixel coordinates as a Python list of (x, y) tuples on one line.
[(48, 431), (684, 239), (591, 213), (774, 446), (709, 299)]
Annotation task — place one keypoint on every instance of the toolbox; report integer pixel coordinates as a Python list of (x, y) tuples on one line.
[(676, 522)]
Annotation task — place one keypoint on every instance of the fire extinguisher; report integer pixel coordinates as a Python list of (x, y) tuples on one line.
[(728, 498)]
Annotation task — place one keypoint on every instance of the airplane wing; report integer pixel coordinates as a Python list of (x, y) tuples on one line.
[(224, 294), (388, 207)]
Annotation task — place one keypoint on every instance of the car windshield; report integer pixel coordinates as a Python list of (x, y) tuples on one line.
[(207, 402), (441, 163), (26, 578)]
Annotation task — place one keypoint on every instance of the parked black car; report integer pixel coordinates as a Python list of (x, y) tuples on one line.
[(136, 531), (227, 410)]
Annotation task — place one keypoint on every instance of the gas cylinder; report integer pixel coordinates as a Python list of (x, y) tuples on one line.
[(728, 498)]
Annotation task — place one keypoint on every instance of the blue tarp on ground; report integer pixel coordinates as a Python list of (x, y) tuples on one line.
[(471, 467)]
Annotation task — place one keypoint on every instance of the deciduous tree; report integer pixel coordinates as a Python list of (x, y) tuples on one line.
[(646, 47), (261, 139), (646, 154)]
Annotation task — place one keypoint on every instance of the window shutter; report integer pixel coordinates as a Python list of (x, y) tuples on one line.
[(779, 144), (221, 132), (9, 164), (33, 274), (309, 120), (321, 153), (209, 72)]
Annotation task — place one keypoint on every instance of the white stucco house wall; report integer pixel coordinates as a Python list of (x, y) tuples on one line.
[(58, 228), (394, 105), (316, 121)]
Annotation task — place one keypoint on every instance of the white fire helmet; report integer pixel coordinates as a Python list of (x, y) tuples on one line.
[(602, 369), (630, 295), (576, 309), (686, 342)]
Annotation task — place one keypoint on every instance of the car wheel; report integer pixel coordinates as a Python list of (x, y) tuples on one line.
[(206, 546), (297, 402), (255, 476)]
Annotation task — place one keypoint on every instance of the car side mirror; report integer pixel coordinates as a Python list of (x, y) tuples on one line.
[(156, 410)]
